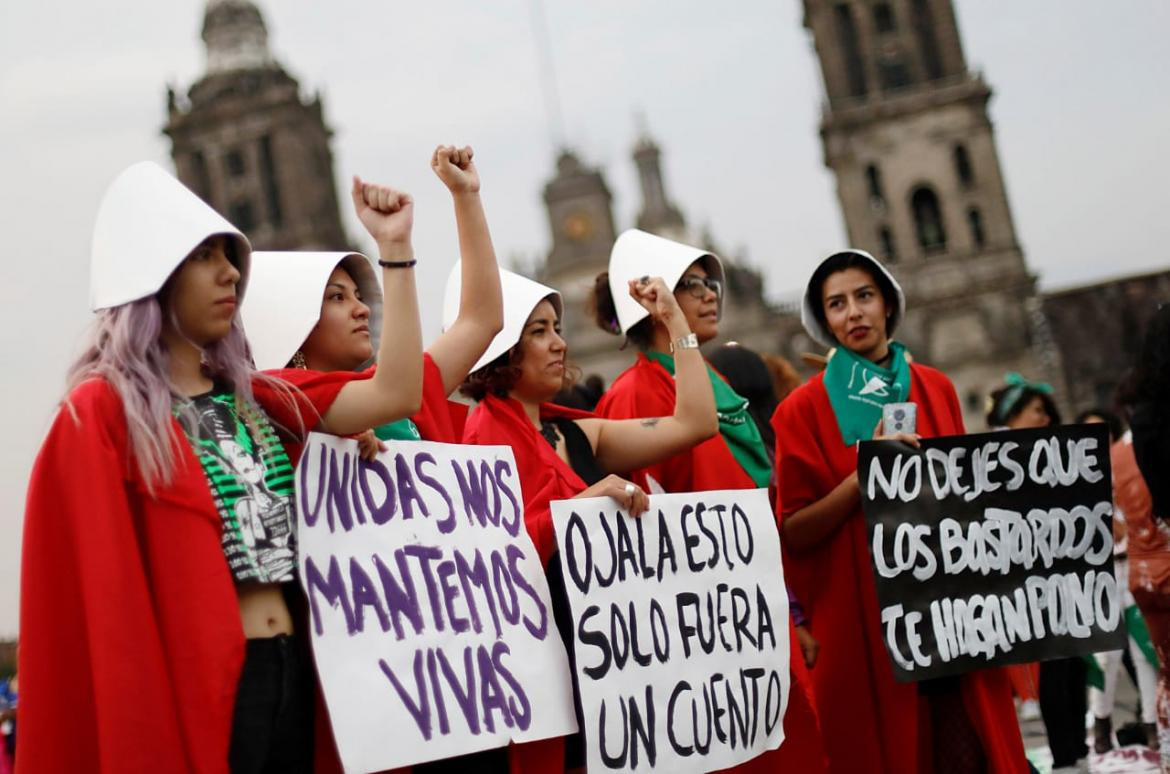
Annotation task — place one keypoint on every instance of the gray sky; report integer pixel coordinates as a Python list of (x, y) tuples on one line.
[(731, 91)]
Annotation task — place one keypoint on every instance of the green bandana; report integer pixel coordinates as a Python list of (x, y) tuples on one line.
[(398, 430), (736, 425), (859, 388)]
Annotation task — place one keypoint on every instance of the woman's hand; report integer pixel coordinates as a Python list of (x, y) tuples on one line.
[(809, 647), (912, 439), (625, 493), (388, 216), (455, 168), (657, 299), (369, 445)]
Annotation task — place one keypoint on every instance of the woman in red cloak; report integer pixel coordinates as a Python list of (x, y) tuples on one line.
[(159, 538), (735, 458), (563, 453), (870, 722)]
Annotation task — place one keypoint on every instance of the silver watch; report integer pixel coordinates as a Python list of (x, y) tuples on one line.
[(690, 341)]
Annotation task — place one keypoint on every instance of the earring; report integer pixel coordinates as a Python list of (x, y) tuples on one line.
[(298, 361)]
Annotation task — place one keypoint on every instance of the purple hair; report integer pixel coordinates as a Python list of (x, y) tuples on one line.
[(125, 348)]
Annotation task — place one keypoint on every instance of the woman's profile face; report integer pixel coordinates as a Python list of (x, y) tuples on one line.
[(199, 298), (855, 312), (340, 341), (542, 356), (1033, 414), (699, 302)]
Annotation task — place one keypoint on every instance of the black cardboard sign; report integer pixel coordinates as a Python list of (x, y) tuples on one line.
[(992, 549)]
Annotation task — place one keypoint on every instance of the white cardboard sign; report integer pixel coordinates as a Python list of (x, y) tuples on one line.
[(680, 629), (431, 623)]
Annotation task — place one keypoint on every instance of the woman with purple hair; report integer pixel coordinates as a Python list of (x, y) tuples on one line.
[(156, 632)]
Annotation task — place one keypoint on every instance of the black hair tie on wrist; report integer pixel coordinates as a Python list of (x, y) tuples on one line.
[(397, 264)]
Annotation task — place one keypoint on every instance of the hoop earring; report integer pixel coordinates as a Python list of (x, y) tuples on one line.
[(298, 361)]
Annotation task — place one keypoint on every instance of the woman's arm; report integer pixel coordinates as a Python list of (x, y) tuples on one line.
[(628, 444), (808, 527), (395, 389), (481, 305)]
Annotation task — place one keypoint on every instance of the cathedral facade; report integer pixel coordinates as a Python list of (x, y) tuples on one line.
[(905, 131), (247, 142)]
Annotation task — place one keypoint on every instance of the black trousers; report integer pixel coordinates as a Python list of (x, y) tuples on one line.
[(272, 727), (1063, 704)]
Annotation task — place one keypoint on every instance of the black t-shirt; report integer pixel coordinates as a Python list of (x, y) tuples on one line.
[(251, 481)]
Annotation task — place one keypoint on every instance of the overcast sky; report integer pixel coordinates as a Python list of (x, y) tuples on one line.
[(731, 91)]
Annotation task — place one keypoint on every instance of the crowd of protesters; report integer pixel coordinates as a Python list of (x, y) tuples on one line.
[(161, 623)]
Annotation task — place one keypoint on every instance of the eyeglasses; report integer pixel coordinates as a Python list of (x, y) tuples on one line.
[(698, 286)]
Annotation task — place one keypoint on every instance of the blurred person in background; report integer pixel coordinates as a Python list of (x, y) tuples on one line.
[(1129, 494), (1148, 533), (1062, 688)]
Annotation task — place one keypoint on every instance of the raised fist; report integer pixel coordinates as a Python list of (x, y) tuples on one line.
[(386, 213), (655, 298), (455, 168)]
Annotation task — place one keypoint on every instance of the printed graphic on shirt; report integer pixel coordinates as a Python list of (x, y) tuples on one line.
[(252, 483)]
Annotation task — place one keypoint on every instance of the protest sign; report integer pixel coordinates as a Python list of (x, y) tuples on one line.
[(680, 629), (992, 549), (430, 615)]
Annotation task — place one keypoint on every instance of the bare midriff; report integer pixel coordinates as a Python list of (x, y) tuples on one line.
[(263, 610)]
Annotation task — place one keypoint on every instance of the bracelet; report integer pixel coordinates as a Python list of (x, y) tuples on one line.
[(397, 264), (690, 341)]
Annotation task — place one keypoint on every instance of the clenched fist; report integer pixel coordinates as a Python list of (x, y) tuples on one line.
[(388, 216), (455, 168)]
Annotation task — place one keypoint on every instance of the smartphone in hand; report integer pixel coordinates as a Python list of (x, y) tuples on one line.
[(900, 418)]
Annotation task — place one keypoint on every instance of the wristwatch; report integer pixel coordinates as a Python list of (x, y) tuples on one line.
[(690, 341)]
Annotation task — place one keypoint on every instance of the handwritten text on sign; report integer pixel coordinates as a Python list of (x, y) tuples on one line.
[(431, 622), (993, 548), (680, 629)]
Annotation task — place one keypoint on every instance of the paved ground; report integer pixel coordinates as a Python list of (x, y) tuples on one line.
[(1129, 760)]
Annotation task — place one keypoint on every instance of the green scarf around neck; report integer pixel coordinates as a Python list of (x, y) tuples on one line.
[(736, 425), (858, 388)]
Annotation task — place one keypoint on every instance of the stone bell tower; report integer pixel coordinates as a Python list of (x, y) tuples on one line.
[(245, 140), (906, 132)]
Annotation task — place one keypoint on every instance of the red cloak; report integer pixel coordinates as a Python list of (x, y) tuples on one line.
[(131, 633), (646, 389), (870, 722), (438, 419), (544, 477)]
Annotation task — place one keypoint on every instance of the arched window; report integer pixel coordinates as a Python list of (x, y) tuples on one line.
[(975, 221), (200, 176), (886, 239), (271, 182), (873, 179), (927, 44), (242, 215), (234, 161), (851, 47), (883, 17), (932, 236), (963, 166)]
